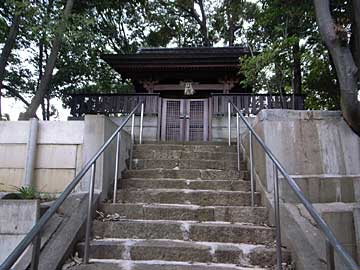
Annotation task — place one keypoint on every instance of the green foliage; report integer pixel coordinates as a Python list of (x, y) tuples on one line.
[(271, 28), (321, 87), (27, 193), (269, 70), (278, 28)]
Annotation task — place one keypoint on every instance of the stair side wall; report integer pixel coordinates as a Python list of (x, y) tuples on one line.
[(98, 128), (322, 154)]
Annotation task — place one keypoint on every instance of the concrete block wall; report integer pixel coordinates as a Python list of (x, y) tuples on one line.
[(220, 129), (306, 143), (17, 217), (61, 150), (58, 155), (151, 131), (322, 154), (97, 130), (151, 128)]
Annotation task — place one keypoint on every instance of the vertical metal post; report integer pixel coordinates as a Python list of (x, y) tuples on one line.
[(36, 245), (229, 122), (277, 220), (238, 140), (117, 156), (89, 214), (330, 256), (252, 169), (35, 252), (141, 123), (132, 128), (132, 140)]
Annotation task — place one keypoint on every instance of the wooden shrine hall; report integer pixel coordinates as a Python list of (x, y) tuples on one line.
[(185, 88), (182, 72)]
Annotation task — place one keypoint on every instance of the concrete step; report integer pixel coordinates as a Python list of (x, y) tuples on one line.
[(182, 251), (223, 232), (256, 215), (187, 147), (186, 164), (189, 174), (237, 185), (181, 154), (188, 196), (224, 143), (157, 265)]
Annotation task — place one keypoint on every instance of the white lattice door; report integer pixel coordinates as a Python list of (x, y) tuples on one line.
[(185, 120)]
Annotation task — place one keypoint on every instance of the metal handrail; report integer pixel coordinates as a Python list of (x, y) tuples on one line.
[(331, 241), (34, 235)]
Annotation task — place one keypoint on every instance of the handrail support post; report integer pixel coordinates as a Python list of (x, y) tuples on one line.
[(132, 140), (330, 259), (141, 123), (252, 168), (117, 157), (89, 214), (277, 219), (229, 123), (35, 253), (238, 140)]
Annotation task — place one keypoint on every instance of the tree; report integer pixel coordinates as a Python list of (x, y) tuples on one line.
[(230, 17), (335, 36), (290, 56), (275, 34), (190, 21), (45, 80), (9, 44)]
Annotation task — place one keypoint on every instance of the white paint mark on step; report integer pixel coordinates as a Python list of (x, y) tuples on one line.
[(185, 229), (127, 249)]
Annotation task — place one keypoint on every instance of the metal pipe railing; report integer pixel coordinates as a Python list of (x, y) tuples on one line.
[(238, 140), (34, 235), (332, 244)]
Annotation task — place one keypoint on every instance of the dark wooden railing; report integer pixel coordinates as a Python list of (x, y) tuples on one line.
[(254, 103), (112, 104)]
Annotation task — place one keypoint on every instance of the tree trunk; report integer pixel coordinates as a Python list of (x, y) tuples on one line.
[(9, 44), (45, 80), (43, 52), (231, 31), (297, 69), (344, 63), (355, 37), (43, 110), (203, 25), (48, 107)]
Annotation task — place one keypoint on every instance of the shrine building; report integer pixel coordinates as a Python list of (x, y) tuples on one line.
[(186, 89)]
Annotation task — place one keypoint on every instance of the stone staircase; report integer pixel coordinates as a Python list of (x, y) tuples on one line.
[(183, 207)]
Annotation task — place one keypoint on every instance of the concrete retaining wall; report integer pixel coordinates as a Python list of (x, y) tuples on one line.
[(62, 149), (220, 130), (306, 143), (17, 217), (150, 128), (322, 154), (98, 128), (58, 155)]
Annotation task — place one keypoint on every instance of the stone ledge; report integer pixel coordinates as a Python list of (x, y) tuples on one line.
[(286, 115)]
